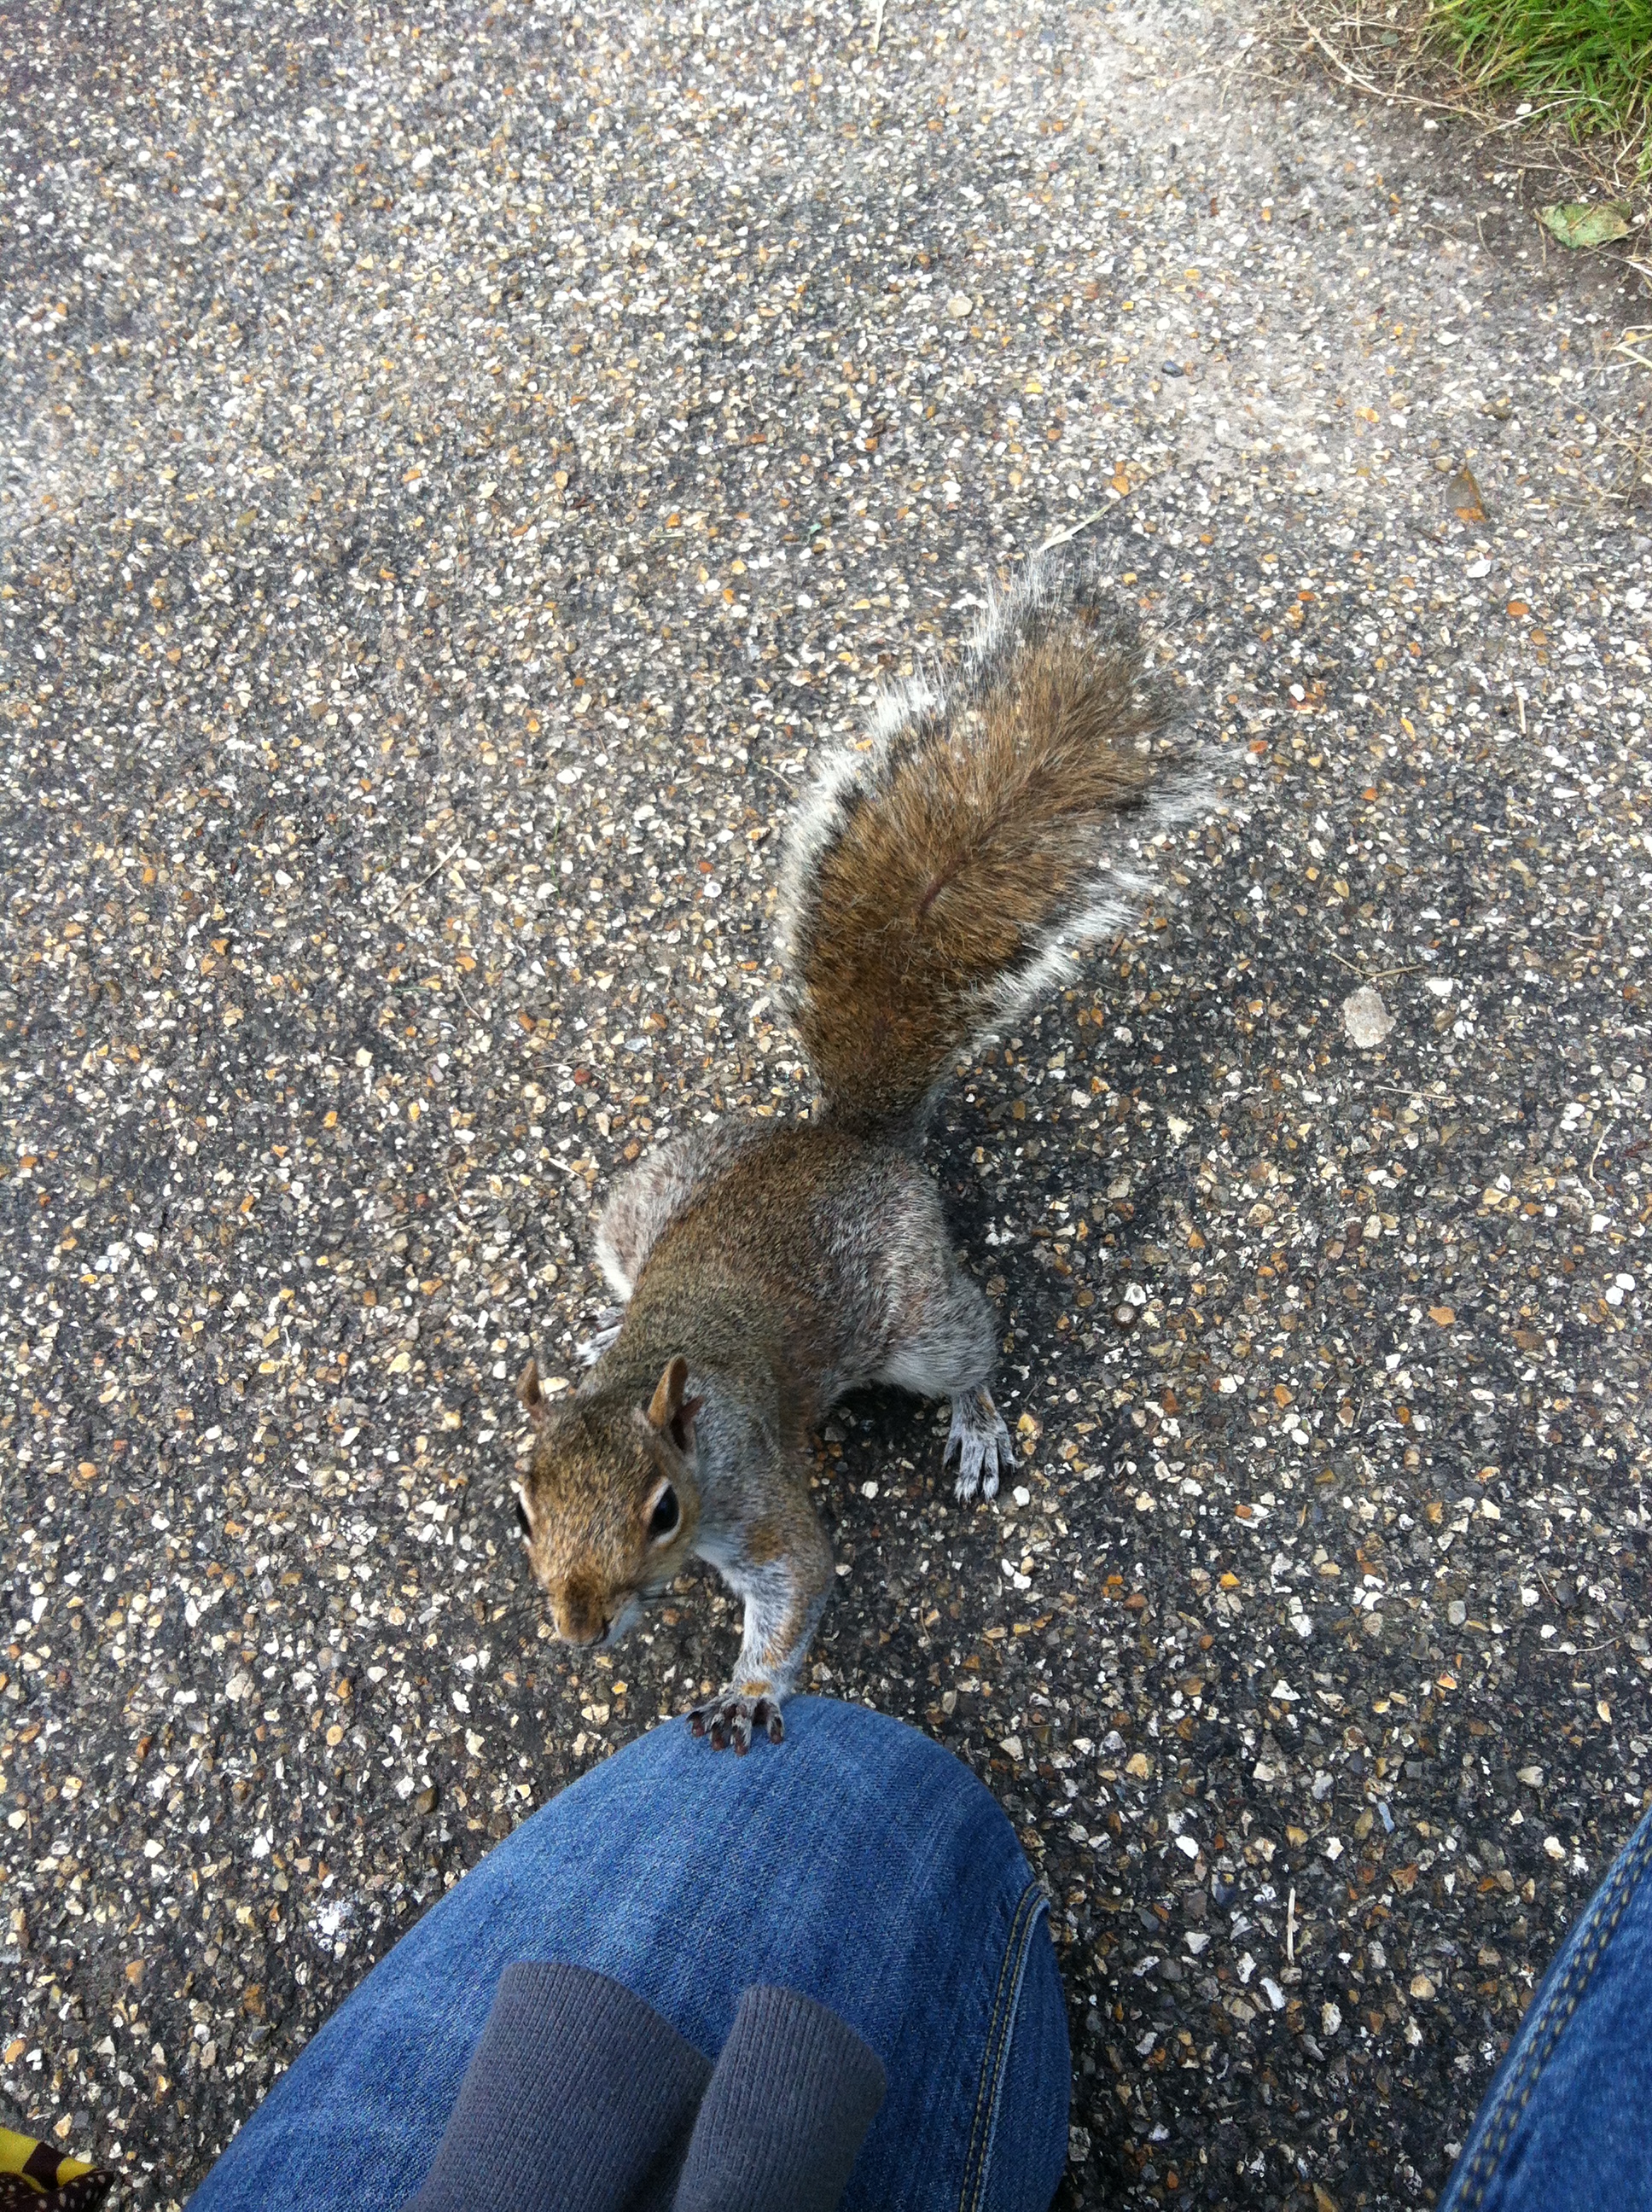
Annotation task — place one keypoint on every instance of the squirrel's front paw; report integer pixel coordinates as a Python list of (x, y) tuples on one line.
[(981, 1442), (729, 1719)]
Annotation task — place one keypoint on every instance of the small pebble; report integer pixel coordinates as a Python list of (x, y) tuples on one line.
[(1365, 1017)]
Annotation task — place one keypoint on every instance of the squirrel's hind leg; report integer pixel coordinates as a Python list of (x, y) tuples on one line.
[(603, 1336), (947, 1348), (644, 1202), (981, 1442)]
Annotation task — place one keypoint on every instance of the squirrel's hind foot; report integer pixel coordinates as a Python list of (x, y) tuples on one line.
[(729, 1719), (602, 1337), (981, 1443)]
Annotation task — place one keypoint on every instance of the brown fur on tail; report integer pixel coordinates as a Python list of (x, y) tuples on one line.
[(935, 879)]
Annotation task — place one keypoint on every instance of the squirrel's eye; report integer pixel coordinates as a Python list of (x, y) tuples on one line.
[(522, 1520), (667, 1513)]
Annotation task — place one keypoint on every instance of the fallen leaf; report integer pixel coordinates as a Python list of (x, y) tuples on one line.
[(1464, 494), (1576, 223)]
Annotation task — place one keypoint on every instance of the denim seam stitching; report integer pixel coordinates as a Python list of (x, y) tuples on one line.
[(1559, 2008), (1028, 1907)]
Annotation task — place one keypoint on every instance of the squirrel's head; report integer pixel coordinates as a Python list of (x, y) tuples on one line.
[(611, 1502)]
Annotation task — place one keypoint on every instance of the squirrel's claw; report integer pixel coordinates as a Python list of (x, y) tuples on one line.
[(981, 1443), (602, 1337), (729, 1719)]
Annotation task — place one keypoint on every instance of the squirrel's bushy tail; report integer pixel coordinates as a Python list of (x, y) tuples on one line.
[(935, 879)]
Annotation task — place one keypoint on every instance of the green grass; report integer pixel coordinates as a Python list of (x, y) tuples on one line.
[(1589, 60)]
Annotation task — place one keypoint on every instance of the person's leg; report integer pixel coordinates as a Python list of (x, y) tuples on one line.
[(860, 1863), (1027, 2152), (1567, 2124)]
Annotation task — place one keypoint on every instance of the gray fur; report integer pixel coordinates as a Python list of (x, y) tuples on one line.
[(764, 1269), (644, 1202)]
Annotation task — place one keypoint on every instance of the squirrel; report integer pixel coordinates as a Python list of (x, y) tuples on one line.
[(934, 880)]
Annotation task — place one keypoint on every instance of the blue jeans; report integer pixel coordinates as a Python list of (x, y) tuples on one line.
[(1567, 2124), (858, 1863)]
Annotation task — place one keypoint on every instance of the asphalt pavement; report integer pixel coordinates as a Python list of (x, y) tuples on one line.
[(460, 467)]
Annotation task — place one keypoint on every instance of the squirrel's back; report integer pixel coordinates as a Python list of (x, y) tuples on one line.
[(936, 877)]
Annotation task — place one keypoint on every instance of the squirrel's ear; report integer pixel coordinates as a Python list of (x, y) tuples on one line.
[(667, 1402), (532, 1397), (669, 1411)]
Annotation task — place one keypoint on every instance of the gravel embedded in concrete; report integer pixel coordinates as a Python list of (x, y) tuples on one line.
[(459, 471)]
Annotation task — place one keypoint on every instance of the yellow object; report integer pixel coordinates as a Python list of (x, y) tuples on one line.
[(41, 2166)]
